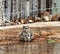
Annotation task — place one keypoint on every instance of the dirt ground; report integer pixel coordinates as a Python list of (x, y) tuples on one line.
[(13, 34)]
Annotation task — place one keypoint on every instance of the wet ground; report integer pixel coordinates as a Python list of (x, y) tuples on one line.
[(36, 47), (42, 47)]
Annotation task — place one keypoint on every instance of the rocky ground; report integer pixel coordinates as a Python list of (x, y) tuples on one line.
[(10, 36)]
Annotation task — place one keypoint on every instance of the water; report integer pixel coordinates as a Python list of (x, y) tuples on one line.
[(42, 47)]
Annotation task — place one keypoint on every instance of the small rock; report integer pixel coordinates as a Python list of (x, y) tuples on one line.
[(43, 33), (22, 21), (42, 39), (36, 34)]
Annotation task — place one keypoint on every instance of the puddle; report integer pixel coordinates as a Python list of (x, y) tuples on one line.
[(42, 47)]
